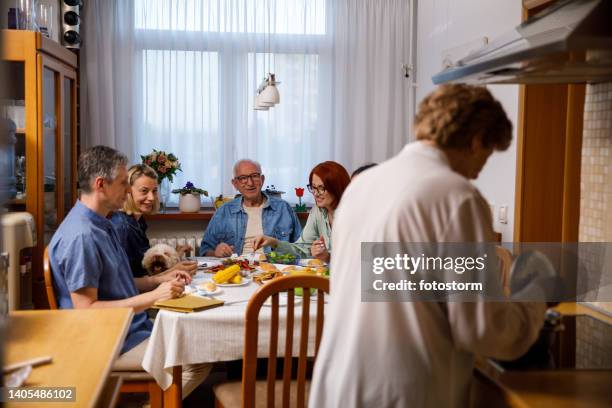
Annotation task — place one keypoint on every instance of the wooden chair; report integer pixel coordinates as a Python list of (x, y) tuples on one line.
[(287, 391), (134, 381), (49, 281)]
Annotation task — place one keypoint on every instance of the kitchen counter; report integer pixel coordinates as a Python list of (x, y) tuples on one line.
[(574, 309), (576, 384), (543, 389)]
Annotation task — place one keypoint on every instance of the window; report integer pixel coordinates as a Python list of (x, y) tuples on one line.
[(198, 66)]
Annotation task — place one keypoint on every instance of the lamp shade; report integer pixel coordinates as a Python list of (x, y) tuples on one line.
[(270, 95), (258, 106), (263, 102)]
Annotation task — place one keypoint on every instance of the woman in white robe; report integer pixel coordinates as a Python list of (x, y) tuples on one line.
[(418, 354)]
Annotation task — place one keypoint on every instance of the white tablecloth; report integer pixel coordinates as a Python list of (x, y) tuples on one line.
[(216, 334)]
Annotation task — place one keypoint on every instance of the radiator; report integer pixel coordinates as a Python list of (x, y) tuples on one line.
[(192, 240)]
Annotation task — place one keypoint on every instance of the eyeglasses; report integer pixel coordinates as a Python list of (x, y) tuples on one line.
[(244, 179), (317, 190)]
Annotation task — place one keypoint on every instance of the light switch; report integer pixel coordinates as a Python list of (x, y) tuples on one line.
[(503, 214)]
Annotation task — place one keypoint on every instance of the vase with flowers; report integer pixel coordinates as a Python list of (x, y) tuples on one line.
[(166, 165), (190, 197)]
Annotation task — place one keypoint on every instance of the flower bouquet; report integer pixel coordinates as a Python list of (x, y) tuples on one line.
[(189, 201), (166, 165)]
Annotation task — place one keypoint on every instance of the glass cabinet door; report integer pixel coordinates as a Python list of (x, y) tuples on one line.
[(50, 80), (58, 144), (68, 143), (12, 131)]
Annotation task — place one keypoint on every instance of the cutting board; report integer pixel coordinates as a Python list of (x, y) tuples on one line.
[(188, 304)]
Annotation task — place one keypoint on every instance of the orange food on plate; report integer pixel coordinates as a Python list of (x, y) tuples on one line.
[(267, 267), (315, 262)]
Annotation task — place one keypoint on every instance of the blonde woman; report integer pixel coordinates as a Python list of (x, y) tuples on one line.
[(130, 223)]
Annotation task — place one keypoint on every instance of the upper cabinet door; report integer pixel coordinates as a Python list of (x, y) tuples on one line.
[(69, 184), (58, 148), (13, 117)]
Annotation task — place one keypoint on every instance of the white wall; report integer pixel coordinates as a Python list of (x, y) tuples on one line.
[(448, 24)]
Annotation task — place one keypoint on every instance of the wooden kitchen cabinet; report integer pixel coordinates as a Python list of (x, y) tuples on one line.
[(43, 77)]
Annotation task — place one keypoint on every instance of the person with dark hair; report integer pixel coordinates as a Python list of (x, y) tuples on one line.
[(417, 353), (361, 169), (91, 269), (327, 182)]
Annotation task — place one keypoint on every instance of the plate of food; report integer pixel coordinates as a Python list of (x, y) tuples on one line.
[(266, 276), (208, 289), (305, 270), (311, 262), (206, 262), (225, 263), (284, 259), (235, 282), (255, 257), (268, 267)]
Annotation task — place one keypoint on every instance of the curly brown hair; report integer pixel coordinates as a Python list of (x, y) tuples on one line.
[(453, 114)]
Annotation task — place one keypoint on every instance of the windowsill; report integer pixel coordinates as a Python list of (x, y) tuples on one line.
[(174, 214), (205, 214)]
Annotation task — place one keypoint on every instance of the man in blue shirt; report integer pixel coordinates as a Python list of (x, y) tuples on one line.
[(91, 269), (235, 225)]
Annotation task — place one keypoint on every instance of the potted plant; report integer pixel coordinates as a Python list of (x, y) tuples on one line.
[(189, 199)]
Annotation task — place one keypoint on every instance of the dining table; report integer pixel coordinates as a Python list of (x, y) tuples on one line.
[(214, 335), (80, 346)]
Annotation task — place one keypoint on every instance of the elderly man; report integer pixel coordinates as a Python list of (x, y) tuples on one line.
[(92, 270), (235, 224)]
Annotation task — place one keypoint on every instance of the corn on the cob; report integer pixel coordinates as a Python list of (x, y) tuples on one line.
[(226, 274), (236, 279)]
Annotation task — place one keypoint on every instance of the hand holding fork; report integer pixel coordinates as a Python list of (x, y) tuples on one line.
[(319, 250)]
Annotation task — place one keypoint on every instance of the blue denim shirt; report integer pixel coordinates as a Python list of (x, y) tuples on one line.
[(85, 252), (230, 221)]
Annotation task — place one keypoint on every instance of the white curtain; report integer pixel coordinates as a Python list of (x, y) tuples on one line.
[(106, 74), (182, 75), (372, 99)]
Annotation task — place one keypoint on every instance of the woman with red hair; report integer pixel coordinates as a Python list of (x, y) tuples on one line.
[(327, 182)]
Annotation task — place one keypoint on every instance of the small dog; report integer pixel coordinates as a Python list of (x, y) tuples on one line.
[(161, 257)]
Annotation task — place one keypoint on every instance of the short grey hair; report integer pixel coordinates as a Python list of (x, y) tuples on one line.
[(98, 161), (239, 162)]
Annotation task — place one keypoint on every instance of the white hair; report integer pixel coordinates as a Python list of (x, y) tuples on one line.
[(239, 162)]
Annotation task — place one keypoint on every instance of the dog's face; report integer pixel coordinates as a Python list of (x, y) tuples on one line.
[(159, 258)]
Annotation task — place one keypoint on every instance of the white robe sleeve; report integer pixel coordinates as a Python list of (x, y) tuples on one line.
[(503, 330)]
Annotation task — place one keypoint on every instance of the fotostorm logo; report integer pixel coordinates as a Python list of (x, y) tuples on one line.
[(411, 264)]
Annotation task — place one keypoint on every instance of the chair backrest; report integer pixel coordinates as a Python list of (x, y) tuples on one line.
[(49, 280), (272, 289), (505, 263)]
